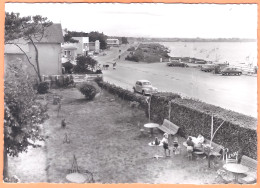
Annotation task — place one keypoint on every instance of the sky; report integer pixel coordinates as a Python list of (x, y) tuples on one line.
[(149, 19)]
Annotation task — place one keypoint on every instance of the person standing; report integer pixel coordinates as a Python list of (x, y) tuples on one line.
[(114, 65), (165, 143)]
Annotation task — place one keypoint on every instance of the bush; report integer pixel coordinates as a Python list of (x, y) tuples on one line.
[(43, 87), (23, 112), (124, 94), (85, 64), (89, 90), (98, 79), (68, 67), (67, 81), (132, 58), (98, 71)]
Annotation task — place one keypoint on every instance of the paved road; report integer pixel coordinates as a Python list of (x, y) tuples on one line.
[(237, 93)]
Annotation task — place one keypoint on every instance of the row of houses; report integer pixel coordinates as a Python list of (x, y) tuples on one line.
[(52, 50)]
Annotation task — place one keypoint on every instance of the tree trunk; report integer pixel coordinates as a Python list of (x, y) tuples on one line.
[(208, 161), (28, 59), (5, 173), (36, 59)]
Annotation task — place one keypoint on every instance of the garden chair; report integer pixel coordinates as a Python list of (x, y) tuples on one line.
[(231, 158)]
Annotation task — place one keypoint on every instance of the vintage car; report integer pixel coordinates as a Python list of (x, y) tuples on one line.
[(231, 71), (208, 67), (145, 87), (175, 63)]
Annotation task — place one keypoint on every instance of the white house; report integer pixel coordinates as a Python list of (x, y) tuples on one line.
[(112, 42), (82, 45), (49, 48), (69, 51)]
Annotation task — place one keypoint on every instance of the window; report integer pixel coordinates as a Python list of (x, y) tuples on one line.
[(68, 53), (146, 83)]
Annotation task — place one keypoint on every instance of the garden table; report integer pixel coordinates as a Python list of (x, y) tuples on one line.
[(236, 169), (151, 126), (76, 177)]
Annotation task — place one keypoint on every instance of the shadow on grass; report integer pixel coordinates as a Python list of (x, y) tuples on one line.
[(78, 101)]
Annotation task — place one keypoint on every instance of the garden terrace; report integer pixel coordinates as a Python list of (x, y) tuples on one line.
[(238, 132), (105, 137)]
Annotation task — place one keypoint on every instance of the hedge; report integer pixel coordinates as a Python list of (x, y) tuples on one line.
[(238, 132), (123, 94)]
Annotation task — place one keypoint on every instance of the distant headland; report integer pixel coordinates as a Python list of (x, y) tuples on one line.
[(146, 39)]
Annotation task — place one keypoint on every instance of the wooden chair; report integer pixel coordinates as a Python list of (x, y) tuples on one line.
[(231, 158)]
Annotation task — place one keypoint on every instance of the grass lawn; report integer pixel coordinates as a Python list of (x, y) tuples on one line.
[(106, 140)]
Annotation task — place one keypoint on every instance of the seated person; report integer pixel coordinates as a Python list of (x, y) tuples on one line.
[(197, 141), (190, 142), (157, 141)]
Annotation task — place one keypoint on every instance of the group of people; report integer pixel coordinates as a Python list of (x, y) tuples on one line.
[(194, 143), (165, 143)]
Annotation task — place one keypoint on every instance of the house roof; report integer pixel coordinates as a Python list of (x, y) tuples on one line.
[(69, 46), (53, 34)]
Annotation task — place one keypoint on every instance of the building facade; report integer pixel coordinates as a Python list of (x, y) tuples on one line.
[(113, 42)]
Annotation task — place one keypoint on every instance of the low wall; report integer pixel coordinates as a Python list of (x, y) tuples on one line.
[(56, 81), (238, 132)]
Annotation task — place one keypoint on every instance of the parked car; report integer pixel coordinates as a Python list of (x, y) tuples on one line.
[(231, 71), (219, 67), (145, 87), (208, 67), (175, 63)]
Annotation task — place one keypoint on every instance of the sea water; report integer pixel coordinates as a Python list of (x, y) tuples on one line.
[(234, 53)]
